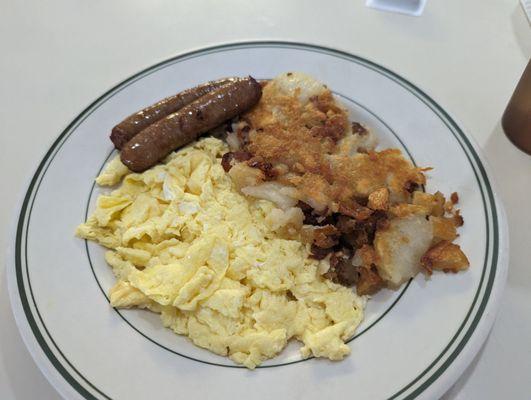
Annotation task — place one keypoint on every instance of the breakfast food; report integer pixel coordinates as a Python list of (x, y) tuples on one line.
[(244, 242), (129, 127), (363, 210), (184, 243), (178, 129)]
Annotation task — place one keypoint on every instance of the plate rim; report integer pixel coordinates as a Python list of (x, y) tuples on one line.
[(484, 320)]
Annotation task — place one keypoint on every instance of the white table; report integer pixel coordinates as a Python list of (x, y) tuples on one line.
[(59, 55)]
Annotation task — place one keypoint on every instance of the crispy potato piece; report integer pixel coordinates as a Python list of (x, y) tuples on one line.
[(443, 229), (369, 282), (444, 256), (379, 199), (404, 210), (367, 255), (354, 210), (400, 247), (458, 218), (307, 234), (433, 202)]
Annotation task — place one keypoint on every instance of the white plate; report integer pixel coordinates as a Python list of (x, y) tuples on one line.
[(414, 343)]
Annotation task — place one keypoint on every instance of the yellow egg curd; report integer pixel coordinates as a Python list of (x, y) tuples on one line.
[(185, 244)]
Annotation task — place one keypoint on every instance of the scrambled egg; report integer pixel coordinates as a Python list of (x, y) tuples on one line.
[(184, 243)]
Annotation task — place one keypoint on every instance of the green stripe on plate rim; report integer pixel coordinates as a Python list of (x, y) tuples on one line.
[(411, 390)]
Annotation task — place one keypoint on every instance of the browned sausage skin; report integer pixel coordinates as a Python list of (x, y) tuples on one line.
[(178, 129), (132, 125)]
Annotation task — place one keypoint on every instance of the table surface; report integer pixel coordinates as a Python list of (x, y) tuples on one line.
[(59, 55)]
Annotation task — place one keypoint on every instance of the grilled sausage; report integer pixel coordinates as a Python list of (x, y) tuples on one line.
[(129, 127), (178, 129)]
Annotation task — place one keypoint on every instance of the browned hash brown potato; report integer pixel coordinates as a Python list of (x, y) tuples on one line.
[(363, 210)]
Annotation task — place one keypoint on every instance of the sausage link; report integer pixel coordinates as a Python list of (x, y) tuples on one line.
[(178, 129), (132, 125)]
